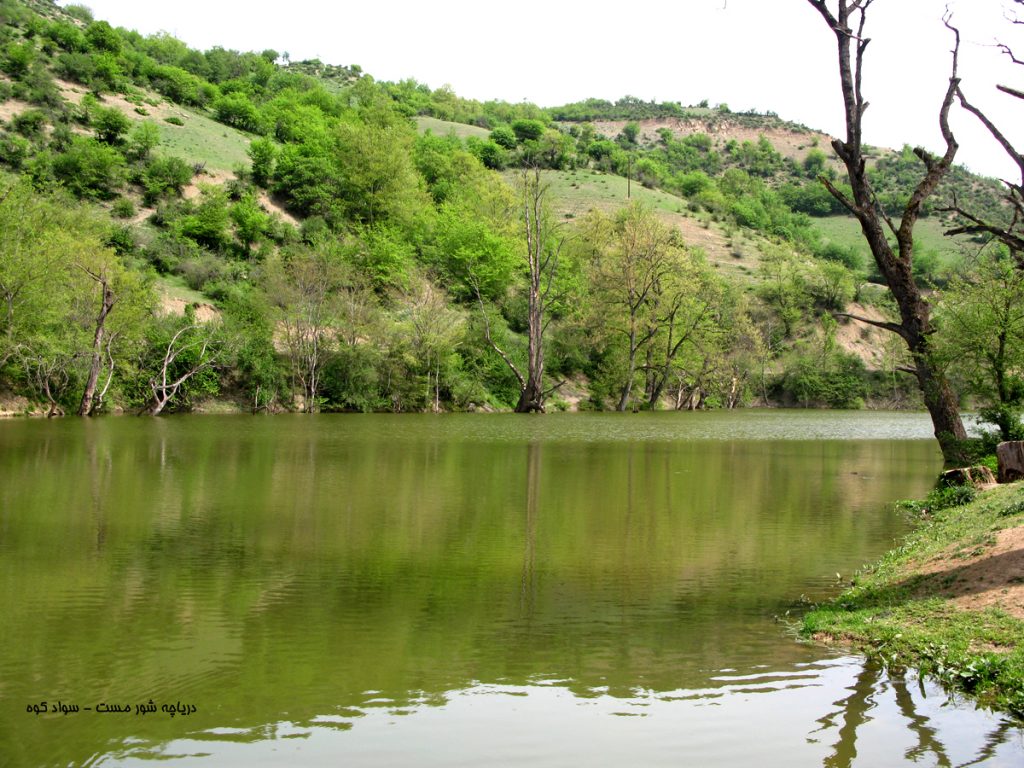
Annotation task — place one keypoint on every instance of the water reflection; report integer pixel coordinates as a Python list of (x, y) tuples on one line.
[(366, 587)]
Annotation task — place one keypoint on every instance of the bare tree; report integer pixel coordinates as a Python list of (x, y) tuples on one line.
[(895, 261), (543, 253), (1009, 232), (191, 349), (107, 300)]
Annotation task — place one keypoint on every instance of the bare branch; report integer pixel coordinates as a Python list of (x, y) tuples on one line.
[(886, 325)]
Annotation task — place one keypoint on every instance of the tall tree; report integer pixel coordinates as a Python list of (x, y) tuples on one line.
[(542, 254), (895, 262), (982, 313), (636, 268)]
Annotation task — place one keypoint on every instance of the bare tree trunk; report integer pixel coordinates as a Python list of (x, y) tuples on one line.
[(107, 301), (531, 398), (896, 266)]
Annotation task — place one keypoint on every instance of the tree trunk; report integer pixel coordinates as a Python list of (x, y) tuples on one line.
[(96, 364), (531, 398), (895, 265)]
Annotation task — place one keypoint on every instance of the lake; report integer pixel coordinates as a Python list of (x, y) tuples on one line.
[(465, 589)]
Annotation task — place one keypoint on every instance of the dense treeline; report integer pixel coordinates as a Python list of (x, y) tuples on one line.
[(409, 274)]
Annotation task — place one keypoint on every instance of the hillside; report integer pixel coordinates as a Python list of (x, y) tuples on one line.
[(219, 184)]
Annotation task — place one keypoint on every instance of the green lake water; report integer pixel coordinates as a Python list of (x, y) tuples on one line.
[(448, 590)]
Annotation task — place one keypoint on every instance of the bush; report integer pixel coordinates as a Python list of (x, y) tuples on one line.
[(14, 150), (123, 208), (110, 124), (80, 12), (29, 123), (165, 176), (89, 169), (174, 120)]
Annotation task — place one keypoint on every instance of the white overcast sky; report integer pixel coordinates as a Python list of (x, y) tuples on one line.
[(764, 54)]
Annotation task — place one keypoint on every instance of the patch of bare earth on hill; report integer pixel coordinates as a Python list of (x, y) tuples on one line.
[(270, 206), (862, 339), (208, 177), (788, 142), (170, 305), (993, 577), (12, 108)]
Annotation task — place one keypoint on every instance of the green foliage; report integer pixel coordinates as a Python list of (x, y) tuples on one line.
[(238, 111), (165, 176), (89, 169), (142, 140), (527, 130), (263, 154), (251, 222), (504, 136), (17, 59), (206, 223), (30, 123), (80, 12), (838, 380), (123, 208), (102, 37), (110, 125)]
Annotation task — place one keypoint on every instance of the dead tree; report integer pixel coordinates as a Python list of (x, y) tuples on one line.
[(107, 301), (170, 378), (895, 261), (1008, 232), (542, 255)]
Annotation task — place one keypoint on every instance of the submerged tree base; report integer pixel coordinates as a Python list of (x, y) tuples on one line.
[(949, 601)]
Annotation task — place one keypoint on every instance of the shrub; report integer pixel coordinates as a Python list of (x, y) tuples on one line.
[(89, 168), (174, 120), (165, 176), (123, 208)]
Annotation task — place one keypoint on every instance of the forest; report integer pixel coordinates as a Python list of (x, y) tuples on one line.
[(191, 230)]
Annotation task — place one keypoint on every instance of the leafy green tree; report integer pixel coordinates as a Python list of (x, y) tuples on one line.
[(110, 125), (237, 110), (263, 154), (306, 286), (634, 261), (504, 137), (207, 223), (784, 286), (251, 222), (372, 157), (981, 316), (102, 37), (142, 140), (527, 130), (248, 322)]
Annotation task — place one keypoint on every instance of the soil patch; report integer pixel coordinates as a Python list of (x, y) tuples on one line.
[(975, 580)]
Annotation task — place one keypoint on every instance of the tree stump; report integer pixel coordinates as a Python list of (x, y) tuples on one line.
[(979, 477), (1011, 461)]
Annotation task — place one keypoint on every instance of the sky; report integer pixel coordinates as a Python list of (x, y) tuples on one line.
[(773, 55)]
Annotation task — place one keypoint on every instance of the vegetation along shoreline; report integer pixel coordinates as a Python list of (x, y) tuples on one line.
[(948, 601)]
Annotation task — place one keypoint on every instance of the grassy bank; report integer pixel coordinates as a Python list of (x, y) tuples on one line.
[(949, 601)]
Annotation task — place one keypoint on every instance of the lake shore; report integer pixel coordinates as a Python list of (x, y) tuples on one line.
[(948, 601)]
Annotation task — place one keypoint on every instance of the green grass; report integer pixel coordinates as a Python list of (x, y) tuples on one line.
[(578, 191), (174, 287), (203, 140), (443, 128), (846, 231), (899, 616)]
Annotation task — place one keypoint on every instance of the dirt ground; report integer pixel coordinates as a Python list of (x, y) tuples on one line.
[(992, 577)]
